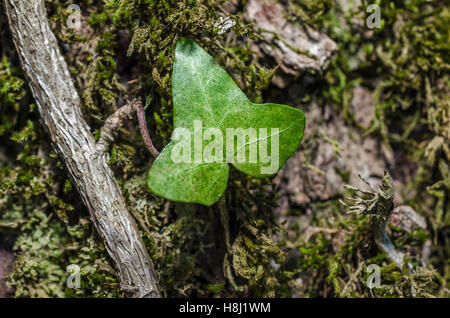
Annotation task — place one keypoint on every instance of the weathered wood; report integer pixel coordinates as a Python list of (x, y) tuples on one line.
[(59, 107)]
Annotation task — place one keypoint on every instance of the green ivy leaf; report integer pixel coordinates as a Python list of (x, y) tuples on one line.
[(208, 103)]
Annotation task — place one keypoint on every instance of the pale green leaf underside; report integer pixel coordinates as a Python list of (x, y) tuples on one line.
[(202, 90)]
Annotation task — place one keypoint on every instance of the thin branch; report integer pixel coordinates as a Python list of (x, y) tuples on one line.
[(113, 123), (144, 131), (116, 120)]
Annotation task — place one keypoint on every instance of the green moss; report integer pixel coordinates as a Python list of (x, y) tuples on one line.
[(127, 50), (37, 211), (405, 65)]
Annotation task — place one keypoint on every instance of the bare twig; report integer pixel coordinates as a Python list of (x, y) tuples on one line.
[(60, 110), (113, 123), (116, 120), (144, 130)]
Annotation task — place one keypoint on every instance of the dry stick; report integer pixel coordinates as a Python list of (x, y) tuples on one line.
[(144, 130), (60, 110), (115, 121)]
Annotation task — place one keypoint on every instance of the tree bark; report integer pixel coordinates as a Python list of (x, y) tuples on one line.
[(59, 107)]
